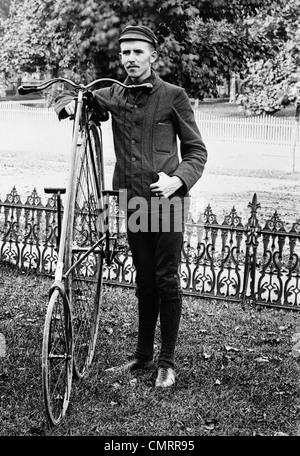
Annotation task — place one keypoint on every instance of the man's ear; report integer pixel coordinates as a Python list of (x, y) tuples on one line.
[(153, 56)]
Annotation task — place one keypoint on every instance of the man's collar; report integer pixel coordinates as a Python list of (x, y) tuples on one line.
[(154, 79)]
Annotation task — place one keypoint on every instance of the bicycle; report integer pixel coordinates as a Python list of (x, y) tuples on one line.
[(72, 318)]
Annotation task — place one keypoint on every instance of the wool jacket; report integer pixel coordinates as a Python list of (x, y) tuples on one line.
[(146, 126)]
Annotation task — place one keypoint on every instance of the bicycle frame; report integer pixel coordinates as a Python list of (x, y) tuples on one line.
[(76, 143), (61, 250)]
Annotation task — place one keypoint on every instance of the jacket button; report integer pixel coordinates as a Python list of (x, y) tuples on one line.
[(133, 141), (133, 159)]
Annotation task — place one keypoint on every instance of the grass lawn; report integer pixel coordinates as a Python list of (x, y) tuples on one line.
[(236, 374)]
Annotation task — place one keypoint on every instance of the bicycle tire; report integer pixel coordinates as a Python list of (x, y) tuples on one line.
[(57, 357), (84, 283)]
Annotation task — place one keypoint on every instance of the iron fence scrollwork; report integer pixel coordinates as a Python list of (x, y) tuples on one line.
[(224, 261)]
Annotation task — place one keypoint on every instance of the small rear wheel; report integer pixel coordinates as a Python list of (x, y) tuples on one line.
[(57, 357)]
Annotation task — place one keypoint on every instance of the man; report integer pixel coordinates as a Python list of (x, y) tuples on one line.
[(146, 124)]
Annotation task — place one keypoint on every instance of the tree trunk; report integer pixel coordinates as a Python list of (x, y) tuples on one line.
[(232, 89), (53, 90), (295, 135)]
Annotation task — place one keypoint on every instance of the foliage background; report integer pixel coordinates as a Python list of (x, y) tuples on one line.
[(201, 43)]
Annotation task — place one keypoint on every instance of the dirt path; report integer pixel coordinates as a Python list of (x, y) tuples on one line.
[(221, 189), (35, 157)]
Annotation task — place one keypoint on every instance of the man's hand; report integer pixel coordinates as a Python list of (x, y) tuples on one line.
[(70, 108), (166, 185)]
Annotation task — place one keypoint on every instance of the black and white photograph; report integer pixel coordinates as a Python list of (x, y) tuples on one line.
[(150, 222)]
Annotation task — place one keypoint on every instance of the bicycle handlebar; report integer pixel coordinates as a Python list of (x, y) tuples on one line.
[(25, 89)]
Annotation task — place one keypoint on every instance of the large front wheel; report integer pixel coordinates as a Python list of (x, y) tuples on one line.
[(84, 282)]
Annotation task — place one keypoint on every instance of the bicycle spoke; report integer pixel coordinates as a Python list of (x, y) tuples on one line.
[(57, 357), (86, 204), (84, 280)]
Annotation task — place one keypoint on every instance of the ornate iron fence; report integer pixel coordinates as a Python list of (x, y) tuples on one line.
[(226, 261)]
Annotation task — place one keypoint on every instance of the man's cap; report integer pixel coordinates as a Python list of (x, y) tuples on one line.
[(138, 32)]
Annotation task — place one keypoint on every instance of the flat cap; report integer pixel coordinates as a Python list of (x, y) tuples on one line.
[(138, 32)]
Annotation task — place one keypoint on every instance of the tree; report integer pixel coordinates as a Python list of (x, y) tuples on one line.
[(272, 83), (219, 48), (29, 41), (200, 40), (4, 8)]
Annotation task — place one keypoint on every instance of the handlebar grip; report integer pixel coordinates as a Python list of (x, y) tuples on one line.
[(23, 90), (145, 86)]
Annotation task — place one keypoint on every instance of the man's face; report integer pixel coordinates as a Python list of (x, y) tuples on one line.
[(137, 57)]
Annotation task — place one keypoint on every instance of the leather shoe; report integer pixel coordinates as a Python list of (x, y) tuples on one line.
[(165, 377), (134, 364)]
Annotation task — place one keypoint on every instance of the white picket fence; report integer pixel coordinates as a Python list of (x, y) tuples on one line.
[(14, 111), (261, 129), (37, 129)]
